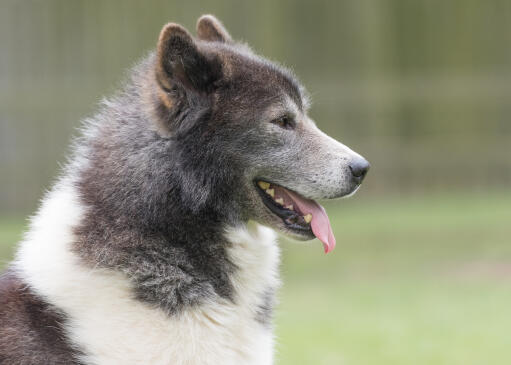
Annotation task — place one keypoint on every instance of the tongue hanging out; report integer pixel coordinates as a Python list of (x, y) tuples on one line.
[(311, 211), (320, 223)]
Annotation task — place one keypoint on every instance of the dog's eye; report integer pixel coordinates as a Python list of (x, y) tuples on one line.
[(285, 122)]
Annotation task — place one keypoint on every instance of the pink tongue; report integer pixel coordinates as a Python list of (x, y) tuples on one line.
[(320, 223)]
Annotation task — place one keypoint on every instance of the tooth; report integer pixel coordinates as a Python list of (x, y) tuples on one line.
[(270, 192), (279, 201), (308, 218), (290, 207), (263, 185)]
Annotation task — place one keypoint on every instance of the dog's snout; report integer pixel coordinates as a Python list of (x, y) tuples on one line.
[(359, 168)]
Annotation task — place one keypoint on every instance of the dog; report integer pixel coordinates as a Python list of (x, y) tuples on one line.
[(157, 243)]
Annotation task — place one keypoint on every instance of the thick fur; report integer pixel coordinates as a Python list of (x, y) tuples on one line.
[(104, 318), (31, 330), (149, 249)]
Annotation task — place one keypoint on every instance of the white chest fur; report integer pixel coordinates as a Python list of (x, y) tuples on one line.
[(113, 328)]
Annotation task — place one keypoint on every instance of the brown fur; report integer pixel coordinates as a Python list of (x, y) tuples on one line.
[(210, 29)]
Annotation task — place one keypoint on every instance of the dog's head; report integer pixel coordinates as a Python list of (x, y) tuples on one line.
[(244, 135)]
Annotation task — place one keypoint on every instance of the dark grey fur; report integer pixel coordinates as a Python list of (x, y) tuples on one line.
[(31, 331), (265, 309), (158, 205)]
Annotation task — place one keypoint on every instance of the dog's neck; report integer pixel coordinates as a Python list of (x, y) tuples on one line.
[(175, 257), (149, 216), (153, 209)]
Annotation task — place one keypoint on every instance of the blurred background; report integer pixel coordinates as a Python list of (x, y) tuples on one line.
[(421, 88)]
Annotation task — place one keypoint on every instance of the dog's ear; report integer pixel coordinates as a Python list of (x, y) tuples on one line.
[(211, 29), (181, 63)]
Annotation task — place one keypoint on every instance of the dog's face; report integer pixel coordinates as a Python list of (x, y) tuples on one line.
[(254, 114)]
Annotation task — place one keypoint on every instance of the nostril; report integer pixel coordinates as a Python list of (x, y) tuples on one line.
[(359, 167)]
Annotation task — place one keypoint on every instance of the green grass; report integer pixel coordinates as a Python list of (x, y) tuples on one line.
[(412, 281), (424, 280), (10, 233)]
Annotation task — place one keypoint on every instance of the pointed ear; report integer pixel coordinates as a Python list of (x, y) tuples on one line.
[(211, 29), (179, 61)]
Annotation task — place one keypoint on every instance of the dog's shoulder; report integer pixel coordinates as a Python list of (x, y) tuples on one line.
[(30, 328)]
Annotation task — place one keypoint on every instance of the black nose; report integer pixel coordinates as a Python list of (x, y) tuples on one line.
[(359, 168)]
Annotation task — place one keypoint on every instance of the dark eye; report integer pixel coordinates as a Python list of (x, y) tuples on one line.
[(285, 122)]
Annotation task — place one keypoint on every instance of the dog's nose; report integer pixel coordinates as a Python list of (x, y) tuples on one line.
[(359, 168)]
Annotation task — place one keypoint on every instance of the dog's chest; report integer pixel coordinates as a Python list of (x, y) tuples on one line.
[(109, 326), (115, 329)]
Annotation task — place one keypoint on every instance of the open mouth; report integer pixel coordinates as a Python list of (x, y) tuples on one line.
[(301, 215)]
